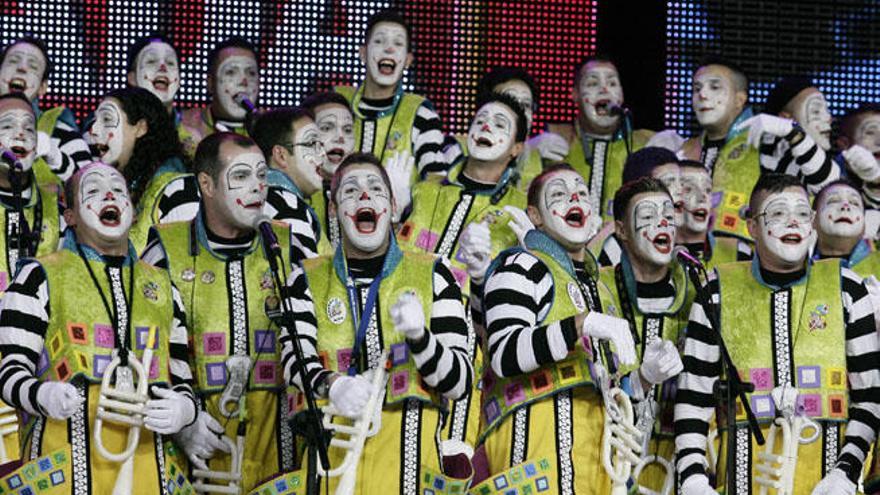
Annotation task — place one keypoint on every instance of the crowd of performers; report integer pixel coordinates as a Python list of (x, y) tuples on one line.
[(489, 313)]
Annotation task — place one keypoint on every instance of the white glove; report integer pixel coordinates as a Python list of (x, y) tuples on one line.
[(349, 395), (765, 124), (835, 483), (668, 139), (170, 412), (697, 485), (520, 223), (408, 316), (60, 400), (399, 167), (660, 362), (862, 163), (873, 286), (616, 330), (550, 146), (476, 249), (201, 439)]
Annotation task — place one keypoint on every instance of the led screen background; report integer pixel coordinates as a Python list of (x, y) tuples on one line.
[(311, 44)]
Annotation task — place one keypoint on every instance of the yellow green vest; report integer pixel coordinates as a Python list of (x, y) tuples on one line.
[(196, 124), (393, 129), (43, 204), (205, 280), (334, 313), (864, 260), (80, 337), (441, 211), (147, 211), (329, 226), (46, 123), (734, 176), (529, 164), (816, 333)]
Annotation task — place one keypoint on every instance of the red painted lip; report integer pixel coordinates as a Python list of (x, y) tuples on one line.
[(844, 220), (110, 216), (365, 220), (386, 66), (700, 213), (254, 205), (335, 155), (161, 83), (19, 151), (665, 243), (575, 217), (791, 239), (483, 141)]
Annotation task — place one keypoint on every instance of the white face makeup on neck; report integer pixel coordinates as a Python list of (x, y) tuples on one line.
[(158, 72), (812, 114), (22, 70), (492, 132), (363, 207), (868, 134), (841, 213), (714, 97), (18, 132), (336, 132), (241, 189), (236, 74), (651, 228), (386, 53), (696, 193), (785, 225), (103, 205), (108, 130), (566, 211), (308, 154), (519, 91), (599, 90)]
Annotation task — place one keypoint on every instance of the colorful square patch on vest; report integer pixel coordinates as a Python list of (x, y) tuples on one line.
[(716, 198), (399, 354), (460, 276), (265, 341), (78, 333), (343, 359), (100, 364), (500, 482), (265, 372), (406, 231), (837, 405), (215, 373), (427, 240), (104, 336), (214, 343), (399, 383), (514, 393), (568, 373), (43, 364), (729, 221), (142, 335), (810, 404), (809, 377), (734, 200), (762, 378), (491, 410), (62, 370), (762, 406), (836, 378), (541, 381)]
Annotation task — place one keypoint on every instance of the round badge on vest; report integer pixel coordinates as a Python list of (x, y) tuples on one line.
[(188, 275), (574, 293), (208, 277), (336, 310)]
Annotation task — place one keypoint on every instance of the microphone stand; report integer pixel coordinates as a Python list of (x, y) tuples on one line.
[(732, 388), (309, 423)]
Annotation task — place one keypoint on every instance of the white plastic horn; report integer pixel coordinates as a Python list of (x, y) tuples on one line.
[(239, 368), (8, 426), (227, 482), (621, 446), (668, 479), (350, 438), (776, 471)]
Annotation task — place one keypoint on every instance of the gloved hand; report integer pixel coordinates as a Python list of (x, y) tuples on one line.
[(201, 439), (408, 316), (400, 166), (476, 249), (697, 485), (169, 413), (613, 329), (550, 146), (349, 395), (660, 362), (46, 151), (60, 400), (763, 123), (862, 163), (835, 483), (668, 139), (520, 223)]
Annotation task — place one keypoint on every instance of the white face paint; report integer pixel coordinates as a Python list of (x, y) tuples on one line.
[(599, 90), (18, 134), (785, 224), (868, 134), (713, 96), (491, 134), (22, 70), (107, 131), (386, 53), (652, 228), (841, 213), (242, 188), (104, 205), (336, 132), (670, 176), (158, 71), (566, 211), (309, 156), (364, 208), (696, 192), (519, 91), (237, 74), (812, 114)]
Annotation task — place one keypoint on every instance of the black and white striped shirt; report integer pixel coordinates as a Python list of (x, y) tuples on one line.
[(441, 357), (69, 150), (806, 160), (695, 402)]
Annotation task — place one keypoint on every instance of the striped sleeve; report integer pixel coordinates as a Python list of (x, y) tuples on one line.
[(179, 200), (154, 253), (178, 349), (299, 297), (68, 149), (427, 141), (611, 252), (287, 207), (24, 319), (694, 400), (441, 356), (863, 371), (806, 160), (518, 296)]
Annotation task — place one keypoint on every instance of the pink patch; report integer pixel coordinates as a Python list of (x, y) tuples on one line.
[(514, 393), (399, 382), (427, 240), (762, 378), (104, 336), (460, 275), (214, 343), (810, 404), (343, 359), (264, 372)]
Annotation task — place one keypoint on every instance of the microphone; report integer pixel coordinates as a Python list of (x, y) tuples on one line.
[(263, 225), (686, 258), (245, 102), (617, 110), (10, 158)]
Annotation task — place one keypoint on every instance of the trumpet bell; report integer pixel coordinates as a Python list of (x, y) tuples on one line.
[(226, 482)]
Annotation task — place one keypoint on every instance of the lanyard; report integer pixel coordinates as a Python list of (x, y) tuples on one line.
[(360, 324), (123, 346)]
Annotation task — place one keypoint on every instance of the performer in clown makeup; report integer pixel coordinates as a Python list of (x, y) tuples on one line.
[(860, 141), (393, 125), (153, 64), (804, 338), (24, 68), (544, 322), (652, 292), (65, 316), (233, 73), (406, 302), (218, 262), (840, 225), (601, 138)]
